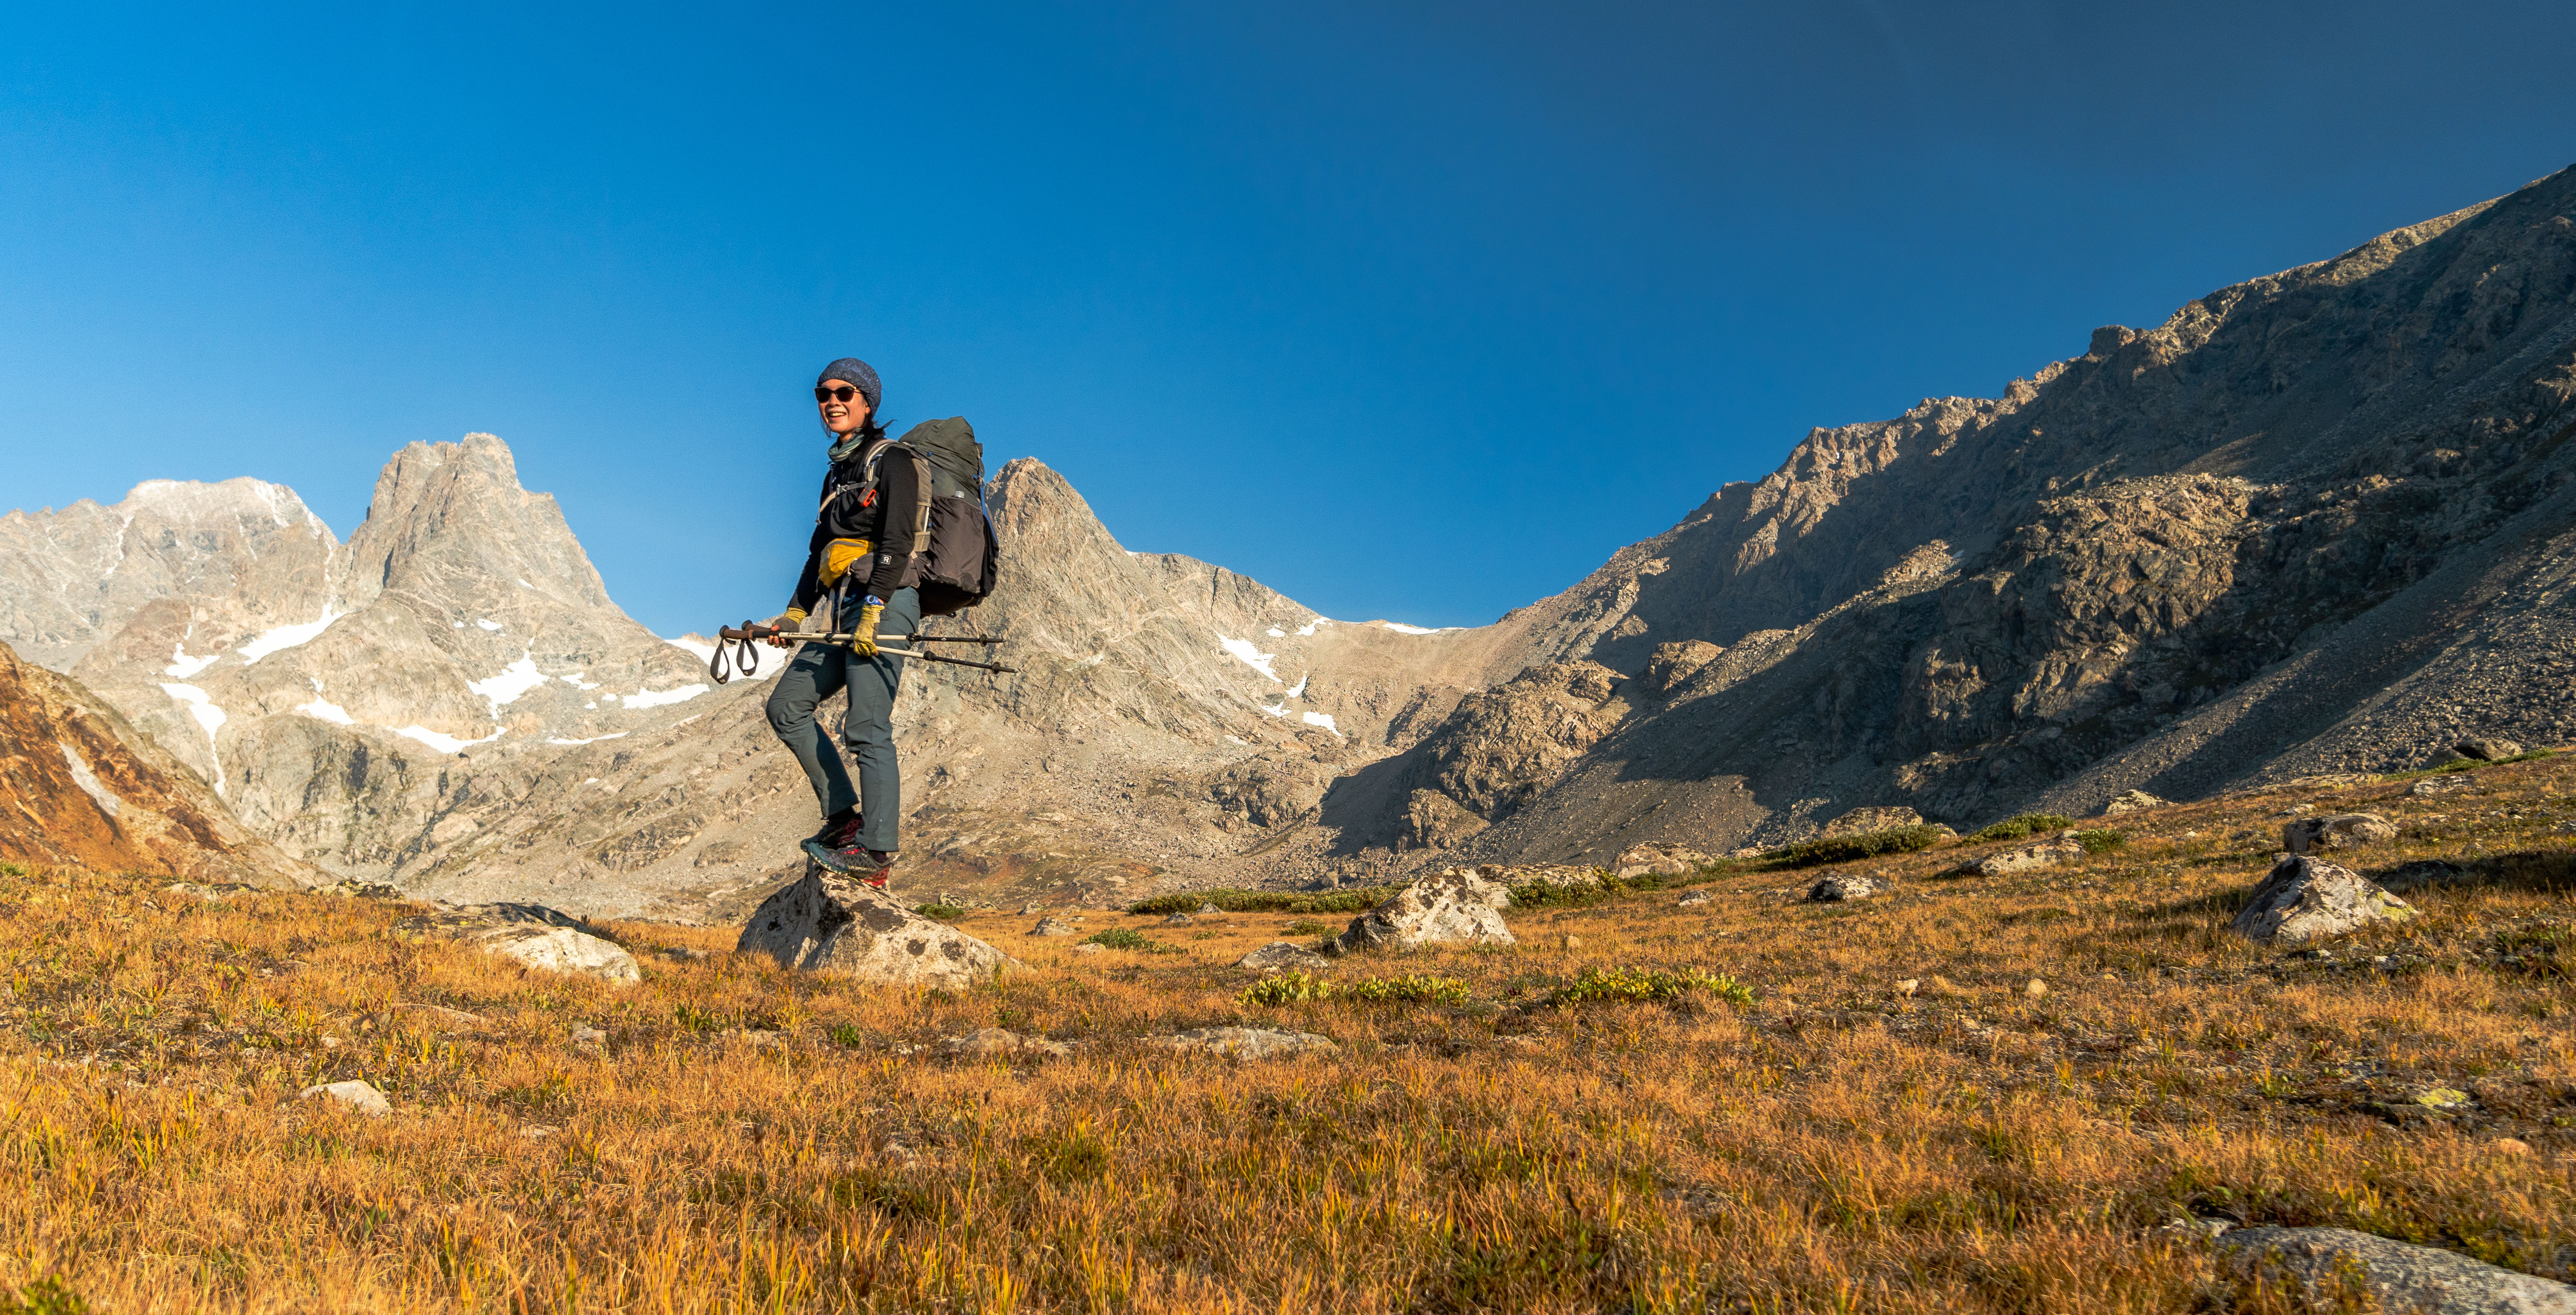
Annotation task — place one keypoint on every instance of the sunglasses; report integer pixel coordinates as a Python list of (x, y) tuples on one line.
[(841, 394)]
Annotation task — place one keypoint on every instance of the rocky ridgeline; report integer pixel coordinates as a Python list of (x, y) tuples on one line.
[(2315, 522)]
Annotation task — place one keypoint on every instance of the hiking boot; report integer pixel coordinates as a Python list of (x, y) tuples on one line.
[(834, 838), (873, 867)]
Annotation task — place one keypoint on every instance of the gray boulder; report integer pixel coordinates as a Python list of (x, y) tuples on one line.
[(1451, 907), (829, 923), (2306, 899), (2403, 1277), (2309, 835), (2486, 750), (2130, 801), (1279, 956), (1177, 920), (1694, 899), (1837, 886), (1245, 1042), (1054, 927), (2433, 785)]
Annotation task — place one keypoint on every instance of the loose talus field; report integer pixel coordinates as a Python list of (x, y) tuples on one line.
[(748, 1139)]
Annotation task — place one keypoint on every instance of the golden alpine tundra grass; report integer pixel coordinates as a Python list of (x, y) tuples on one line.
[(744, 1138)]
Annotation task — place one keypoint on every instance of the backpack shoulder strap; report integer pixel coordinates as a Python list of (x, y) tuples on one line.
[(921, 481)]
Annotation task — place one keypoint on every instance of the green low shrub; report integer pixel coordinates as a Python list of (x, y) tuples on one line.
[(2102, 840), (2014, 828), (1295, 987), (943, 912), (1292, 987), (1848, 849), (1651, 984), (1120, 938), (1307, 927)]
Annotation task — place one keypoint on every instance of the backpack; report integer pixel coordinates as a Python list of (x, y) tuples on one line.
[(955, 558)]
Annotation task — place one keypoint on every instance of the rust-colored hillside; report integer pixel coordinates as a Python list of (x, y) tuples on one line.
[(79, 787)]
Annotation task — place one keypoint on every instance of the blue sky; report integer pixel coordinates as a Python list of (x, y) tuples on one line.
[(1408, 310)]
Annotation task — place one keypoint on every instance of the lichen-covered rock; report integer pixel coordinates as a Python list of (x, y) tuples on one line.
[(829, 923), (1054, 927), (2062, 847), (1280, 956), (1837, 886), (2305, 899), (2340, 831), (2130, 801), (1452, 907), (2403, 1277)]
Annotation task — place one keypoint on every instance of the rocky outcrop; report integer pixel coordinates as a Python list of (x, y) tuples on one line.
[(80, 787), (828, 923), (1658, 861), (2311, 835), (1861, 820), (1502, 746), (532, 936), (2329, 1263), (1452, 907), (2305, 899), (2131, 801)]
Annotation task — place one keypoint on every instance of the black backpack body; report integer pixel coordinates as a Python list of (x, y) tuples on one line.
[(958, 560)]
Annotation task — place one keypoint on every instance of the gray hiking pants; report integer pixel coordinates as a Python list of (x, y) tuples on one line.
[(816, 673)]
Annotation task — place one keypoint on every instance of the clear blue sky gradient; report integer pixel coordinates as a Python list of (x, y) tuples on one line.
[(1408, 310)]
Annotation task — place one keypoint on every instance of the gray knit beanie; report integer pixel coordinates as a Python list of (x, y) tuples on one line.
[(856, 373)]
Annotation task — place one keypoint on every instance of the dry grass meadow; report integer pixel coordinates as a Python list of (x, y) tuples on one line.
[(746, 1139)]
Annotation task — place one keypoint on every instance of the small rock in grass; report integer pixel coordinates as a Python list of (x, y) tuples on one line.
[(2034, 988), (2339, 831), (2511, 1146), (1280, 955), (1177, 920), (1054, 927), (1206, 909), (1906, 989), (538, 1131), (359, 1096), (1569, 941), (2304, 899), (2401, 1276), (1090, 947), (1029, 908), (2130, 801), (1244, 1042), (1836, 886), (830, 923), (2060, 848), (1696, 897), (583, 1034), (1000, 1041), (2433, 785)]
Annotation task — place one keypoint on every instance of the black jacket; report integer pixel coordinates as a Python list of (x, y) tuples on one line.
[(854, 508)]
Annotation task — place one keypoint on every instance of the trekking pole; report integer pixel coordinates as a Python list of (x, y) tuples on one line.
[(749, 661)]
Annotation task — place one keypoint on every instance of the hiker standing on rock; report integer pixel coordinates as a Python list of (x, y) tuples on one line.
[(856, 579)]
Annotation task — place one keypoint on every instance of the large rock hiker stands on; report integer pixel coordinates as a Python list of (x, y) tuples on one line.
[(829, 922), (1452, 907)]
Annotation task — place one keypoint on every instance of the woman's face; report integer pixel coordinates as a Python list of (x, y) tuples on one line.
[(844, 409)]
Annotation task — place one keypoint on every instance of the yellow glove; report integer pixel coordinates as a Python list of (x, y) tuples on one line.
[(838, 556), (864, 638)]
